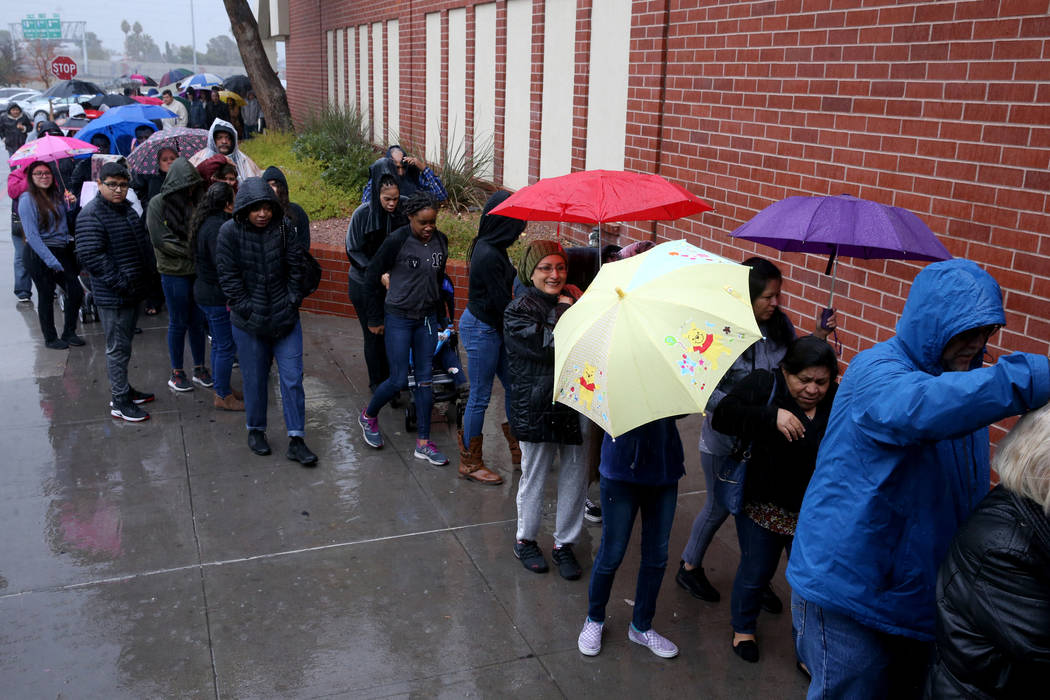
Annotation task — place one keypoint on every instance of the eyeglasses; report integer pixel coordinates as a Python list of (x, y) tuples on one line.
[(118, 186), (547, 269), (42, 173)]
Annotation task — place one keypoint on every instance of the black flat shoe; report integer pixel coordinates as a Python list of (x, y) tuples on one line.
[(771, 602), (299, 452), (56, 344), (257, 442), (74, 340), (695, 581), (747, 650)]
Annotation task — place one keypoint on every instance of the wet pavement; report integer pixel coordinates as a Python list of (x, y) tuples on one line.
[(163, 559)]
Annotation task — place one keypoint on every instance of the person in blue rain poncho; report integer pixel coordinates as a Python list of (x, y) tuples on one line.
[(904, 462)]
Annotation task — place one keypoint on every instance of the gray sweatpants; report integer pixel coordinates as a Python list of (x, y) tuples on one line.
[(536, 461), (119, 326)]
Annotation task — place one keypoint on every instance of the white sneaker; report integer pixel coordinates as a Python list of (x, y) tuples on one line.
[(590, 641), (661, 646)]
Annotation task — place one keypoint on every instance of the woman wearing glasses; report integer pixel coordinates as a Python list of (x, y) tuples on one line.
[(49, 255)]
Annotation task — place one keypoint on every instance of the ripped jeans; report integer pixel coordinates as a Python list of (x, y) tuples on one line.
[(405, 336)]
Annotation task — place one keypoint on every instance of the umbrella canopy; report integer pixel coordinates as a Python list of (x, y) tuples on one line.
[(147, 100), (597, 196), (239, 84), (144, 79), (49, 149), (175, 75), (109, 99), (229, 94), (140, 112), (652, 336), (65, 88), (185, 141), (201, 81), (119, 129)]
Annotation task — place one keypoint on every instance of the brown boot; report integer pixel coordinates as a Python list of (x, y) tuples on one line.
[(470, 465), (512, 443), (230, 403), (239, 395)]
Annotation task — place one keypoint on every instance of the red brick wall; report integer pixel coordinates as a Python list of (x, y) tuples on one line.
[(939, 107)]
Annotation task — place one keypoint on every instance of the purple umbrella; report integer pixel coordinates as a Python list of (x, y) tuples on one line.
[(843, 225)]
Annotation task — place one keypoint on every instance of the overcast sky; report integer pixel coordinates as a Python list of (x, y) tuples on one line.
[(164, 20)]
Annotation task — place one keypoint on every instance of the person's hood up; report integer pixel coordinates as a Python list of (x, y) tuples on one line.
[(498, 231), (220, 125), (210, 165), (14, 105), (180, 175), (274, 173), (377, 215), (48, 127), (947, 298), (252, 191)]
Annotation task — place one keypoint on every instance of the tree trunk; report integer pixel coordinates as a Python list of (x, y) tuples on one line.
[(265, 83)]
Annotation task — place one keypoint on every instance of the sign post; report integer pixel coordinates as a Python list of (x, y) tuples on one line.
[(63, 67)]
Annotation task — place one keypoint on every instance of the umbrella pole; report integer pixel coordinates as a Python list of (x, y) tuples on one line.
[(834, 274)]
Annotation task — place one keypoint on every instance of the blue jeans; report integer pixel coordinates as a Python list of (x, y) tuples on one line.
[(23, 282), (851, 660), (710, 518), (222, 348), (486, 360), (759, 557), (256, 354), (183, 316), (408, 340), (621, 501)]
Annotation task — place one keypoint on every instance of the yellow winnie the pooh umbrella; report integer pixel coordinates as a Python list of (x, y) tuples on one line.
[(652, 336)]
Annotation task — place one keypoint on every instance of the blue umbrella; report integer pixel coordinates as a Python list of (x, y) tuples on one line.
[(119, 130), (201, 81), (140, 112)]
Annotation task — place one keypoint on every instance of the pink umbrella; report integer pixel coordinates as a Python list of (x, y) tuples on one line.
[(49, 149), (147, 100)]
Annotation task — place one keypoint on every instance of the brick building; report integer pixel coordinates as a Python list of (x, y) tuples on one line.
[(939, 107)]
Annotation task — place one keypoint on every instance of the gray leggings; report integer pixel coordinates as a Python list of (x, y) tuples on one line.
[(536, 460), (710, 518)]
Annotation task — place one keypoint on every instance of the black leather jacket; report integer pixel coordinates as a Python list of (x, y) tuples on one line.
[(528, 331), (993, 604)]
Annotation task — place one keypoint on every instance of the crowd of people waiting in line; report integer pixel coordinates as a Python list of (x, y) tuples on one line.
[(870, 485)]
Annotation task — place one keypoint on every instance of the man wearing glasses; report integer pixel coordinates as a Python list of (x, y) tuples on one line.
[(112, 245)]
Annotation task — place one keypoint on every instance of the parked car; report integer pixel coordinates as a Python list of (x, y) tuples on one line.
[(15, 94), (39, 108)]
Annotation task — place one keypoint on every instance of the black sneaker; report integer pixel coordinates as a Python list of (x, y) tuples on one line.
[(139, 397), (122, 407), (179, 382), (566, 562), (299, 452), (202, 376), (530, 555), (257, 442), (592, 511), (696, 583), (74, 340), (771, 603), (56, 344)]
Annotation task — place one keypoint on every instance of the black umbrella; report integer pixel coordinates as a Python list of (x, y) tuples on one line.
[(239, 84), (109, 99), (65, 88)]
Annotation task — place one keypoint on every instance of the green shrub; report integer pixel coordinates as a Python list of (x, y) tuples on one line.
[(335, 138), (461, 173)]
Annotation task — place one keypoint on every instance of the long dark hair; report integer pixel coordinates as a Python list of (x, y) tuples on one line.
[(778, 328), (214, 201), (46, 201), (810, 351)]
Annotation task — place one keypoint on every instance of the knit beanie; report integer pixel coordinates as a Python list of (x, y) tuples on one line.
[(536, 251)]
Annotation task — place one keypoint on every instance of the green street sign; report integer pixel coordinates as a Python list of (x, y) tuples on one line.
[(40, 26)]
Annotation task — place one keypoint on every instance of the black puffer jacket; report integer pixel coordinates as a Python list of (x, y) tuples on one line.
[(260, 270), (113, 246), (528, 331), (993, 604), (206, 288)]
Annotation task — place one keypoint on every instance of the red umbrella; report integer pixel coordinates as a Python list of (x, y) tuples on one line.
[(600, 196), (147, 100)]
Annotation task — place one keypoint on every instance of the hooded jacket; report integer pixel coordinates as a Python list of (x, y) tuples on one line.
[(14, 137), (206, 288), (371, 223), (491, 280), (246, 167), (112, 245), (296, 217), (905, 457), (172, 248), (993, 604), (260, 270)]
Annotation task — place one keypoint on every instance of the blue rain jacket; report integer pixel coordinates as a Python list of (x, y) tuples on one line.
[(906, 456)]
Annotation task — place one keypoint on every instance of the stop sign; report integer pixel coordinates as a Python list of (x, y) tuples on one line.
[(63, 67)]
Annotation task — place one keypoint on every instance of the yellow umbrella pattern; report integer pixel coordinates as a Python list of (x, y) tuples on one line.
[(652, 336)]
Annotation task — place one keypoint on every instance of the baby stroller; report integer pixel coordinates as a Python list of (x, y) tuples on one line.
[(448, 379)]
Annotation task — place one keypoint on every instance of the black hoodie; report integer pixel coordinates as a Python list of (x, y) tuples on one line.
[(296, 216), (491, 272), (14, 137), (371, 223), (260, 270)]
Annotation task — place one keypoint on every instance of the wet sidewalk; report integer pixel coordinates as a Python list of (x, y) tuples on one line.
[(163, 559)]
